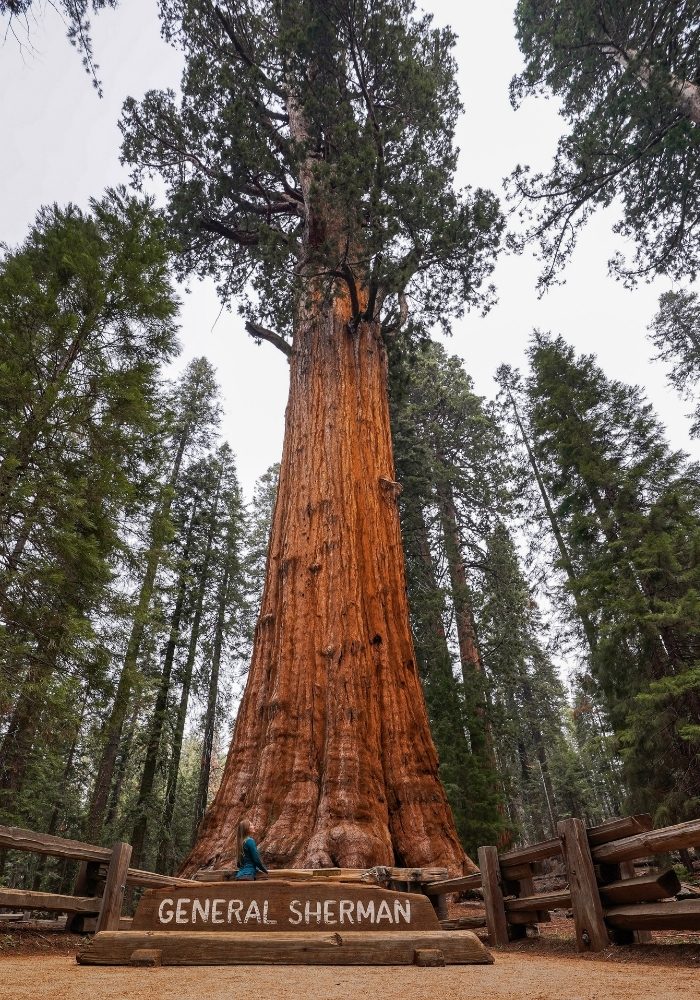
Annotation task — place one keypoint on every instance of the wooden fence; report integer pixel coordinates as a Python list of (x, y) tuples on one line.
[(609, 901), (99, 866)]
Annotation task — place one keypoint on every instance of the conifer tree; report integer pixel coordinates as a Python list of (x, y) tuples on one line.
[(628, 505), (309, 168), (194, 413), (447, 454), (86, 319)]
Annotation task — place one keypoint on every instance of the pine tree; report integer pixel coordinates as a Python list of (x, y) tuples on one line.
[(447, 453), (309, 167), (194, 413), (86, 319), (628, 505), (228, 621)]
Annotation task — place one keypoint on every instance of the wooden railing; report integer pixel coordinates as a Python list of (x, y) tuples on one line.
[(609, 902), (97, 865)]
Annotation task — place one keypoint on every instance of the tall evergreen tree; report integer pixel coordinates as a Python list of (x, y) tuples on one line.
[(194, 414), (309, 167), (447, 457), (628, 505), (86, 319)]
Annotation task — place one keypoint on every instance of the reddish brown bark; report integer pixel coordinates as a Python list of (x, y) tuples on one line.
[(332, 759)]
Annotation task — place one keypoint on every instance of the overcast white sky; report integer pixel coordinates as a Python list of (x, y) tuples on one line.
[(59, 142)]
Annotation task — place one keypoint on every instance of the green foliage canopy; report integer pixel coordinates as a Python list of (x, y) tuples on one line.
[(628, 78), (313, 142)]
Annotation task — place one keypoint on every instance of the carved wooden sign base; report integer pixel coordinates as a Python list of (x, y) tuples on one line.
[(283, 923)]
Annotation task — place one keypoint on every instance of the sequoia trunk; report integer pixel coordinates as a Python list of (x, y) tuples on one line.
[(332, 759)]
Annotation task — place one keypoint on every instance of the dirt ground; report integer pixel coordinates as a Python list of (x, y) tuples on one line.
[(37, 962), (514, 976)]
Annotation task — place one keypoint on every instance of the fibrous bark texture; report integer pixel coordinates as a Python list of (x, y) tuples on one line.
[(332, 759)]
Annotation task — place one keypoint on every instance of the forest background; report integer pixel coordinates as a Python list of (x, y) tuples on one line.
[(65, 148)]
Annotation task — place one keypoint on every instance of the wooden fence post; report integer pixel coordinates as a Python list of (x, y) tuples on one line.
[(493, 897), (115, 885), (591, 931)]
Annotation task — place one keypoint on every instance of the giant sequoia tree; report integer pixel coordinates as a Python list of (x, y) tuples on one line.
[(310, 162)]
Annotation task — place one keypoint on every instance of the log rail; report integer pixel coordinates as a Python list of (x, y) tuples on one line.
[(97, 862), (609, 902)]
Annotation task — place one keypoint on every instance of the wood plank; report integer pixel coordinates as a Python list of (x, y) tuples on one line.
[(115, 886), (460, 884), (151, 880), (517, 872), (24, 899), (429, 958), (463, 923), (683, 915), (493, 896), (641, 888), (90, 924), (527, 855), (146, 958), (560, 899), (277, 906), (614, 829), (528, 918), (591, 932), (15, 838), (668, 838), (320, 948)]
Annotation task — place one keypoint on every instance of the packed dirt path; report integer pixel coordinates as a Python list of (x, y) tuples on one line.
[(513, 977)]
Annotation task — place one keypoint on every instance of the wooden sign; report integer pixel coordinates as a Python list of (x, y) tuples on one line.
[(273, 905)]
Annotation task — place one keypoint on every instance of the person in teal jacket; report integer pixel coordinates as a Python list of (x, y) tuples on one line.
[(249, 861)]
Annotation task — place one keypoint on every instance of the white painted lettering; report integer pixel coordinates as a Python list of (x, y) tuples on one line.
[(316, 913), (252, 913), (266, 905), (365, 911), (294, 909), (180, 915), (165, 915), (384, 913), (200, 908), (402, 910), (217, 916), (234, 909), (346, 908), (328, 917)]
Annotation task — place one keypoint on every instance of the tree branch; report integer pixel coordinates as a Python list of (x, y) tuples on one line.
[(261, 333)]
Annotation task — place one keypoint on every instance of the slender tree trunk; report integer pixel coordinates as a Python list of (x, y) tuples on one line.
[(469, 655), (200, 802), (565, 558), (332, 758), (161, 704), (164, 862), (129, 672)]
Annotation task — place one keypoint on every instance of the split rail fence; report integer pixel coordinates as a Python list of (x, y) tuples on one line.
[(99, 866), (608, 900)]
